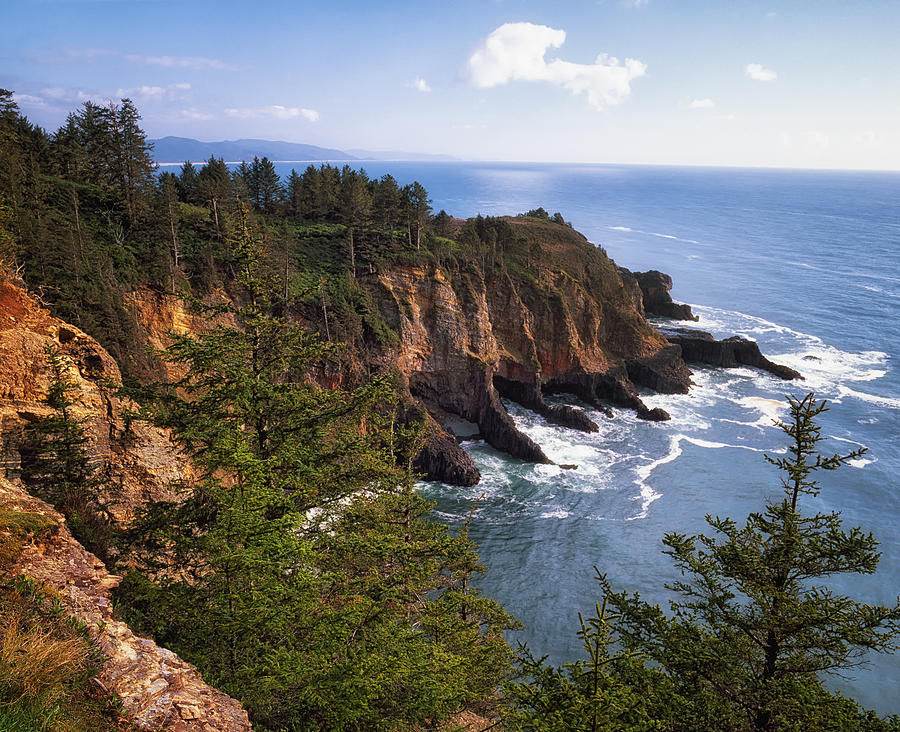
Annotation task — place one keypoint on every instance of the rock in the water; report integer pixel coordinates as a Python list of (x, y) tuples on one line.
[(655, 287), (442, 458), (701, 347)]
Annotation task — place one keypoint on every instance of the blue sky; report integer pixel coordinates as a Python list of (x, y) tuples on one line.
[(765, 82)]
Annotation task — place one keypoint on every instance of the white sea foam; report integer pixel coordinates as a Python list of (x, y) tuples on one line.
[(647, 494), (881, 291), (880, 401), (822, 365), (653, 233), (557, 513), (859, 462), (771, 410), (670, 236)]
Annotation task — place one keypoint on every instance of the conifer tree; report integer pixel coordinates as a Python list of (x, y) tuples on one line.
[(299, 572), (756, 624), (187, 183), (56, 466)]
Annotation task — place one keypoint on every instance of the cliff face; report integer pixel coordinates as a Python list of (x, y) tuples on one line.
[(138, 463), (157, 689), (467, 338)]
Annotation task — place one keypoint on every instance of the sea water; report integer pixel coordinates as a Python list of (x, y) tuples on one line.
[(807, 263)]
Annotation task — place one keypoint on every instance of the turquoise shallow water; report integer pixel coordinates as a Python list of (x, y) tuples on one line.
[(808, 264)]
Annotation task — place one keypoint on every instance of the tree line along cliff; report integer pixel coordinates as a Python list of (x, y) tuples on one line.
[(464, 311)]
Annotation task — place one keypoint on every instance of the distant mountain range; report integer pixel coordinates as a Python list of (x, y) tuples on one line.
[(179, 149)]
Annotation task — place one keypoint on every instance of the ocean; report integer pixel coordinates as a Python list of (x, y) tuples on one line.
[(807, 263)]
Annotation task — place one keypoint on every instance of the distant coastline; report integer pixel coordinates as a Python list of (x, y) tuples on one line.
[(178, 150)]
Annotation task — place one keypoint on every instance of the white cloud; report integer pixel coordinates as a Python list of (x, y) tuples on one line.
[(90, 55), (634, 3), (196, 114), (516, 52), (154, 93), (419, 84), (29, 100), (816, 139), (758, 72), (867, 138), (274, 111), (702, 103), (186, 62)]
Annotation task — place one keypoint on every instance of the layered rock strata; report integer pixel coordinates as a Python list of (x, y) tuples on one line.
[(138, 463), (466, 339)]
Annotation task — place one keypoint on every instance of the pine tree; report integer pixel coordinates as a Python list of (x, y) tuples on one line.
[(755, 625), (269, 190), (214, 187), (356, 204), (299, 572), (56, 466), (187, 183)]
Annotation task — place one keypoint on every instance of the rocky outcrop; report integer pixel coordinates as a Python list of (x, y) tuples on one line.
[(467, 338), (530, 395), (138, 462), (700, 347), (156, 688), (443, 456), (655, 287)]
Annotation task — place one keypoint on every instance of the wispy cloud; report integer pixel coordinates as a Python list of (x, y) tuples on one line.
[(517, 52), (706, 103), (635, 3), (154, 93), (29, 100), (419, 84), (196, 114), (758, 72), (273, 111), (90, 55), (57, 95), (187, 62)]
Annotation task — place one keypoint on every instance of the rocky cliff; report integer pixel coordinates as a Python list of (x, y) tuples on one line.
[(156, 688), (571, 324), (138, 463)]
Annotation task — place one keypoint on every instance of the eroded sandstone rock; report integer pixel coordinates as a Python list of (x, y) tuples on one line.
[(157, 689)]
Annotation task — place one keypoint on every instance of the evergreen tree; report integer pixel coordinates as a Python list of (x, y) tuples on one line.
[(421, 209), (214, 187), (294, 196), (356, 203), (188, 183), (387, 204), (299, 572), (56, 466), (269, 190), (754, 628)]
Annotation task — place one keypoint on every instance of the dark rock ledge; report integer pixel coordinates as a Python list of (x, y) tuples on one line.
[(655, 287), (697, 346)]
